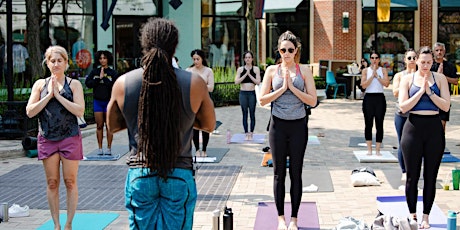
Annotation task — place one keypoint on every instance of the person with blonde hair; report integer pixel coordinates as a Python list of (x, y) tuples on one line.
[(57, 101)]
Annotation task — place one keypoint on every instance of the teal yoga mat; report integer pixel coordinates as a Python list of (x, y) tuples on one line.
[(84, 221)]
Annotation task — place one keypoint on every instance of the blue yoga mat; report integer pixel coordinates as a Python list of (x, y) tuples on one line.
[(446, 158), (397, 206), (84, 221)]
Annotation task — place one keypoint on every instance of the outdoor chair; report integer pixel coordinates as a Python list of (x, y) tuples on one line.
[(330, 81)]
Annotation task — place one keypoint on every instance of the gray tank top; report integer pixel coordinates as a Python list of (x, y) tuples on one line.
[(133, 83), (288, 106), (55, 122)]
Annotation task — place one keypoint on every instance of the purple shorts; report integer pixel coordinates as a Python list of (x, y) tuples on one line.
[(70, 148)]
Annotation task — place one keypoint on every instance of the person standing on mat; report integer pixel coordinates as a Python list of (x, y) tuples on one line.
[(400, 118), (450, 72), (248, 76), (373, 79), (165, 104), (200, 67), (423, 94), (293, 87), (58, 101), (101, 81)]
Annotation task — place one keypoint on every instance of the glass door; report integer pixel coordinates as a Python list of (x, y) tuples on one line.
[(128, 51)]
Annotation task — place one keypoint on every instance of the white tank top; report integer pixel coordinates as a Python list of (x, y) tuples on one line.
[(375, 86)]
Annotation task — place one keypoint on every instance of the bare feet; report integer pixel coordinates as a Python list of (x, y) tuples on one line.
[(378, 153), (425, 224), (293, 224), (281, 223), (369, 153), (203, 154), (198, 153), (246, 138), (251, 136)]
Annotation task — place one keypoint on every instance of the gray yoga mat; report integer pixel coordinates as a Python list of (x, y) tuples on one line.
[(393, 176), (117, 152), (320, 178)]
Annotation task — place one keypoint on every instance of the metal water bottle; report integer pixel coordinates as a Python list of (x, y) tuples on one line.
[(228, 219), (229, 136), (451, 220), (4, 211), (215, 219)]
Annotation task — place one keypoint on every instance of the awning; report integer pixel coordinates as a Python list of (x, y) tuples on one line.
[(228, 8), (281, 6), (449, 5), (397, 5)]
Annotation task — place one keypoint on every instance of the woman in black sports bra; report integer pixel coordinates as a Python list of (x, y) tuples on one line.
[(248, 76), (423, 95)]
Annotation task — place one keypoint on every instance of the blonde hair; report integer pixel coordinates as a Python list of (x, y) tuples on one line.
[(56, 49)]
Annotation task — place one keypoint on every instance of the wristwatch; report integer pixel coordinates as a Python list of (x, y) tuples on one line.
[(431, 94)]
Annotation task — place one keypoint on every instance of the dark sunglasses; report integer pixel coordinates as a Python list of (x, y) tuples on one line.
[(410, 58), (374, 57), (290, 50)]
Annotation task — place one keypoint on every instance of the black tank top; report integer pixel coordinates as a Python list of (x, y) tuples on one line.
[(55, 122), (133, 83), (248, 79)]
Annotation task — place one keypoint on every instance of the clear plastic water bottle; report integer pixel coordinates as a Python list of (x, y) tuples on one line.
[(229, 136), (451, 220)]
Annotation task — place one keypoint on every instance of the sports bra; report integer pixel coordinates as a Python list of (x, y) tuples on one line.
[(425, 102), (248, 79)]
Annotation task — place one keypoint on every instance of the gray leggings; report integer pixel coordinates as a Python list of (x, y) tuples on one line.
[(288, 138), (248, 104)]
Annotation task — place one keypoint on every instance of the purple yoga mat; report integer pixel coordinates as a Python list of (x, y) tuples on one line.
[(267, 216)]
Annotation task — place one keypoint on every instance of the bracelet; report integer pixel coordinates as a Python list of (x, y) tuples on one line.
[(431, 94)]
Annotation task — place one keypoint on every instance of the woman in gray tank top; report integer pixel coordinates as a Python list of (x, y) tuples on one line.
[(289, 86), (58, 100)]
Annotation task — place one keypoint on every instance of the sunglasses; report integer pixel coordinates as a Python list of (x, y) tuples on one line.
[(283, 50), (374, 57), (410, 58)]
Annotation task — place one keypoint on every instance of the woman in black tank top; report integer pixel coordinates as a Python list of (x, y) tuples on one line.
[(248, 76), (61, 98)]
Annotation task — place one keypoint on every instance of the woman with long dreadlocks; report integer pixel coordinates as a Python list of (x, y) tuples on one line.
[(165, 104)]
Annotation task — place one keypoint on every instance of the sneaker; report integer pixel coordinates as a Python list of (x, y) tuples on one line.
[(17, 211), (108, 152), (100, 153)]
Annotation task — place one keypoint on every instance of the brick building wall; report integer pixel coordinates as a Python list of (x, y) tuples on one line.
[(426, 8), (323, 33), (344, 43)]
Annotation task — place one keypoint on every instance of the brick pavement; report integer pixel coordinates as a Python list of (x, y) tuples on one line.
[(337, 119)]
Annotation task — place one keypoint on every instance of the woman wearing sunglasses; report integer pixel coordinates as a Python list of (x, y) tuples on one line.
[(289, 86), (400, 118), (248, 76), (423, 95), (373, 79)]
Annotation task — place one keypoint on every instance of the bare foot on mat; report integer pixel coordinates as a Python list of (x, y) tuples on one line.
[(281, 223)]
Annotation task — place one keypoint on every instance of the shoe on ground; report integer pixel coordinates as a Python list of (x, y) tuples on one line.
[(108, 152), (17, 211), (99, 152)]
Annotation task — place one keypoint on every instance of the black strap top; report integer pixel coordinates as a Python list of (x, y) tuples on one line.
[(248, 79)]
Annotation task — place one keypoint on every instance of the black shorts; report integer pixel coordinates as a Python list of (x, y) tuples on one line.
[(444, 116)]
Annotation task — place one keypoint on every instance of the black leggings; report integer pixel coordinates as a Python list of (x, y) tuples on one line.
[(422, 138), (196, 139), (374, 106), (288, 137)]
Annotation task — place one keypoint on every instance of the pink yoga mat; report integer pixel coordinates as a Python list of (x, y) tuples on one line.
[(267, 216)]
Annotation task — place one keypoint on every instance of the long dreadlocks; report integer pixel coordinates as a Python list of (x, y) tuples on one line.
[(160, 98)]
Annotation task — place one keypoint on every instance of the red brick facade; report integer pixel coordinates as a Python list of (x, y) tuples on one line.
[(426, 9)]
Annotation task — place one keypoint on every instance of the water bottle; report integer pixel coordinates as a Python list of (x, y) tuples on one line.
[(215, 219), (229, 136), (451, 220), (228, 219)]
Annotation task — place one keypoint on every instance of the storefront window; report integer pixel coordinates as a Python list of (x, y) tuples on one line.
[(449, 33), (70, 25), (297, 22), (223, 32), (393, 38)]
